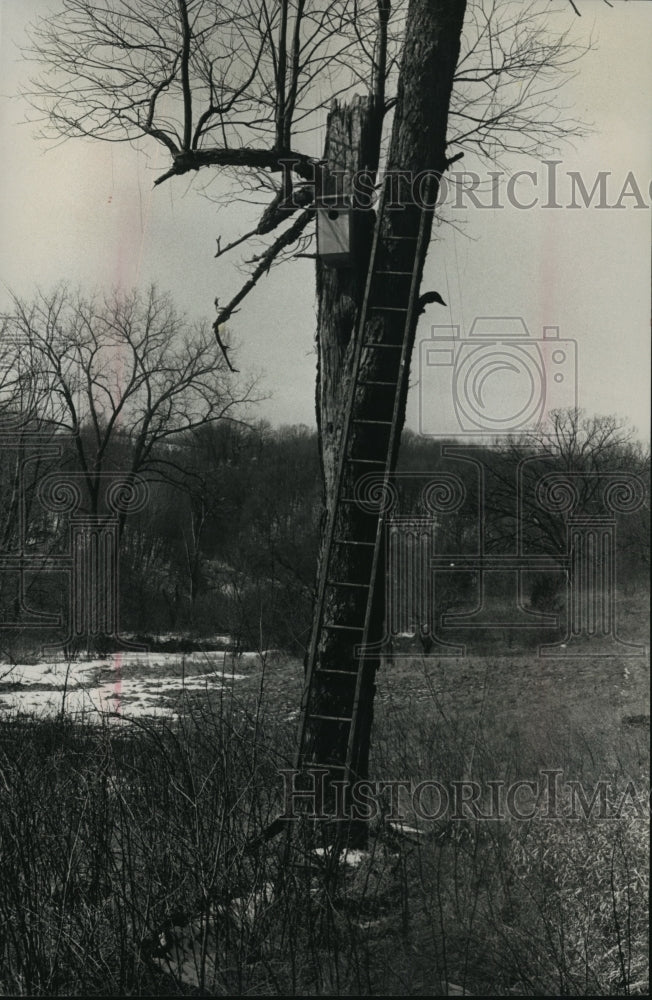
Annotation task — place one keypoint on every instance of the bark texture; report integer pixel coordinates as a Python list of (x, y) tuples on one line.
[(418, 144)]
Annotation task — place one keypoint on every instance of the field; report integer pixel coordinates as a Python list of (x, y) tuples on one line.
[(124, 867)]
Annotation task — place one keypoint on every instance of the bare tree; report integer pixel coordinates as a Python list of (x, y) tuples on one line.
[(239, 87), (125, 375), (580, 450)]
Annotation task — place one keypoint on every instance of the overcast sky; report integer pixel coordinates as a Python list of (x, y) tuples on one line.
[(87, 212)]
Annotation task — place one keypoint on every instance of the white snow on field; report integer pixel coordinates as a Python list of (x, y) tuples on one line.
[(351, 856), (124, 684)]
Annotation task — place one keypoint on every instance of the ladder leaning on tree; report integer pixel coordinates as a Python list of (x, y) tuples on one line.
[(329, 730), (385, 353)]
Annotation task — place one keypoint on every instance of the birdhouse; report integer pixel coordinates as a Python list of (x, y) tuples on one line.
[(335, 231)]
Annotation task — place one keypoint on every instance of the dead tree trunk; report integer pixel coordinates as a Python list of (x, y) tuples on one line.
[(418, 144)]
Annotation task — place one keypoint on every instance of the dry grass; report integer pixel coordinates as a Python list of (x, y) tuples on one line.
[(112, 839)]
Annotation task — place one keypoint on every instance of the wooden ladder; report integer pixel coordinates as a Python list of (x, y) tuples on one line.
[(349, 680)]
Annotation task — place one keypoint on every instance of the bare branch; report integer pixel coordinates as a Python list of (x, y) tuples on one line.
[(121, 368), (257, 159), (237, 86), (185, 73), (265, 261), (234, 243)]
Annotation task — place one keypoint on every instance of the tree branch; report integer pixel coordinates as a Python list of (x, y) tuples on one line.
[(185, 73), (256, 159), (234, 243), (265, 261)]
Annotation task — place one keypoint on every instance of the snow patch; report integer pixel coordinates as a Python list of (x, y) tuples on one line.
[(351, 856), (128, 684)]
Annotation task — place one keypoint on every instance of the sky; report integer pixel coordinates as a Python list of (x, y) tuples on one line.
[(87, 212)]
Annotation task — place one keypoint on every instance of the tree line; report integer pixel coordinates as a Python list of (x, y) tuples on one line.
[(103, 388)]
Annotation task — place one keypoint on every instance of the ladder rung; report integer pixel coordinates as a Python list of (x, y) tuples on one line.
[(343, 628), (385, 262), (376, 382), (340, 673), (330, 718), (354, 500), (319, 763)]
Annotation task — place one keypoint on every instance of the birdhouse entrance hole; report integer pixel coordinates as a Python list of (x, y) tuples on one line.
[(335, 231)]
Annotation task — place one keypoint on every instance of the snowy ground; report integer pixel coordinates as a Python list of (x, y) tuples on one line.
[(126, 684)]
